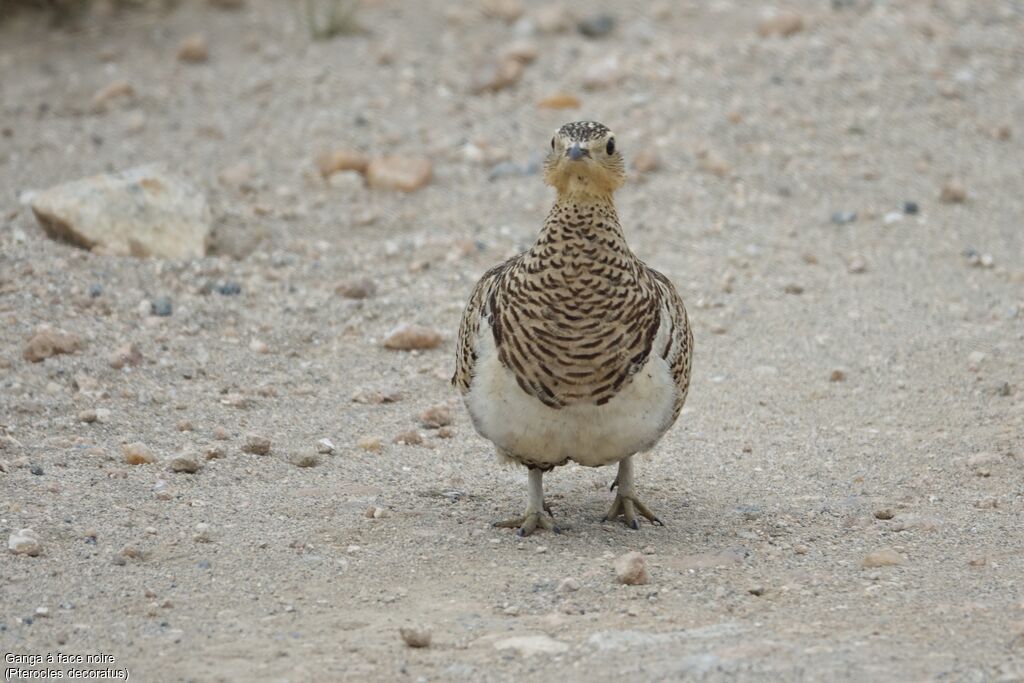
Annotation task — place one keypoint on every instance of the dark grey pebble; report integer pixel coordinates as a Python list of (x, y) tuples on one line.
[(843, 217), (910, 208), (36, 470), (596, 26), (95, 290), (229, 288), (162, 306)]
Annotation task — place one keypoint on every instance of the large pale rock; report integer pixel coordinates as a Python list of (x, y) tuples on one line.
[(142, 211)]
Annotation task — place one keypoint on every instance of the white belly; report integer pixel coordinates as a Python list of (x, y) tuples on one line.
[(591, 435)]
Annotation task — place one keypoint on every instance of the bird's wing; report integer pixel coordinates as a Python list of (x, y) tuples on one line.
[(678, 347), (478, 306)]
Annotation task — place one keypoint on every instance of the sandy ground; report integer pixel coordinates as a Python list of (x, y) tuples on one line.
[(776, 483)]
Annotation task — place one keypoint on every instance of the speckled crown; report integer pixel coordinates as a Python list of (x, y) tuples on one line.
[(583, 131)]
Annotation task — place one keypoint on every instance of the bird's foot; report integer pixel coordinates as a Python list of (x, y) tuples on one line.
[(628, 507), (529, 523)]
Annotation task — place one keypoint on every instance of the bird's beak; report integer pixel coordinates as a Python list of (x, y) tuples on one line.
[(575, 152)]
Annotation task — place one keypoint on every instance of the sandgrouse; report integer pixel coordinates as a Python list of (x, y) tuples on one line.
[(575, 349)]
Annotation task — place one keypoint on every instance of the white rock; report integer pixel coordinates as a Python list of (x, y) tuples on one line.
[(24, 542), (143, 211), (325, 446), (532, 645)]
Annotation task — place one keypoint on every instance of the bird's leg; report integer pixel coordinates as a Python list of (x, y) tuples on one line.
[(626, 503), (535, 507)]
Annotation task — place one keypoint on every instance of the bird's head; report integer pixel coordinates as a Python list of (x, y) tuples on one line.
[(584, 160)]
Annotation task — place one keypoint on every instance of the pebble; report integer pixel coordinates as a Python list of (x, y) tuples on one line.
[(237, 175), (194, 49), (793, 288), (162, 306), (884, 513), (886, 557), (184, 426), (910, 208), (844, 217), (496, 75), (407, 337), (304, 459), (525, 51), (983, 459), (138, 453), (559, 100), (782, 24), (36, 470), (24, 542), (405, 174), (356, 288), (325, 446), (435, 417), (647, 161), (202, 533), (257, 445), (331, 162), (370, 444), (856, 264), (115, 90), (87, 416), (975, 359), (977, 260), (630, 569), (596, 26), (374, 512), (602, 73), (376, 396), (258, 346), (568, 585), (185, 463), (214, 451), (448, 432), (46, 343), (552, 19), (228, 288), (125, 355), (410, 438), (953, 192), (528, 646), (220, 433), (415, 636), (837, 375)]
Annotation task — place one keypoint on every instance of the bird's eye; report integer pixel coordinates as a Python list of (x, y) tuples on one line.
[(610, 147), (552, 143)]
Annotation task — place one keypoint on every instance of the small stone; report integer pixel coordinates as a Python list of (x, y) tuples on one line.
[(496, 75), (228, 288), (884, 513), (560, 100), (131, 552), (258, 346), (568, 585), (376, 396), (445, 433), (356, 288), (87, 416), (304, 459), (325, 446), (184, 426), (202, 533), (552, 19), (42, 612), (48, 342), (524, 51), (602, 73), (370, 444), (647, 161), (630, 569), (214, 451), (184, 463), (36, 470), (138, 453), (953, 192), (374, 512), (975, 359), (837, 375), (781, 24), (237, 175), (194, 49), (757, 590), (125, 355), (410, 438), (886, 557), (435, 417), (220, 433), (407, 337), (342, 160), (910, 208), (257, 445), (162, 306), (844, 217), (24, 542), (856, 264), (415, 636), (405, 174), (115, 90), (793, 288), (596, 26), (983, 460)]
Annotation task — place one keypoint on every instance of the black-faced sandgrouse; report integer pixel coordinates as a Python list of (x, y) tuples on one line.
[(575, 349)]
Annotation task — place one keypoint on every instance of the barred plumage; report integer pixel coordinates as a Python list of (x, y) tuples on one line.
[(575, 349)]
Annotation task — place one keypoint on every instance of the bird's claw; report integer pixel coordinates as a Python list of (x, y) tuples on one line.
[(529, 523), (628, 507)]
